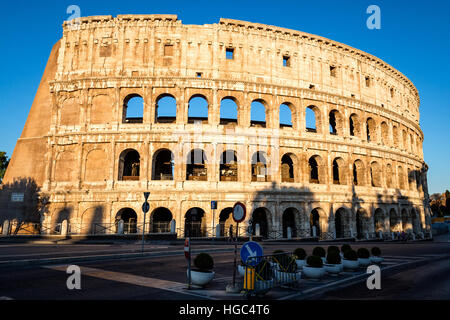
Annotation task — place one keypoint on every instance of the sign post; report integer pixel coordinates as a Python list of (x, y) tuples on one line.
[(145, 209), (213, 227), (239, 212), (187, 254)]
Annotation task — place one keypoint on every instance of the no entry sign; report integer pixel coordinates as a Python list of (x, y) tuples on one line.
[(239, 212)]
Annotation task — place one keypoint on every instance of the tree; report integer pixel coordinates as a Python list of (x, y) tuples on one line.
[(4, 161)]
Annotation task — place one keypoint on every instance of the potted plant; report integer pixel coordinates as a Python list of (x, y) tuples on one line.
[(202, 274), (300, 257), (363, 257), (334, 264), (264, 278), (345, 247), (376, 256), (320, 252), (287, 269), (314, 267), (333, 249), (350, 260)]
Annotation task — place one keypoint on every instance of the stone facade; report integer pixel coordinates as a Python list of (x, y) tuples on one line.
[(359, 171)]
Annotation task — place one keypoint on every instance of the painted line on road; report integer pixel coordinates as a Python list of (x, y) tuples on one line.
[(130, 279), (6, 298)]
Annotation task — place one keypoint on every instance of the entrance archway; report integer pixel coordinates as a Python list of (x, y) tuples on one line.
[(160, 220), (259, 216), (225, 221), (289, 221), (129, 217), (315, 222), (194, 224)]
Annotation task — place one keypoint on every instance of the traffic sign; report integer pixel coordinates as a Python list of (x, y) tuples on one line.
[(251, 249), (213, 205), (145, 207), (239, 212)]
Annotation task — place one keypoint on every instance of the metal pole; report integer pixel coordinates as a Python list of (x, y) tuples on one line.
[(143, 233), (235, 266), (189, 265)]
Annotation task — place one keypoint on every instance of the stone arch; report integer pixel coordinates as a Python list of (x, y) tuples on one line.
[(313, 120), (229, 110), (196, 165), (160, 220), (406, 221), (261, 217), (228, 166), (389, 176), (317, 219), (359, 173), (102, 108), (316, 169), (163, 165), (288, 167), (385, 133), (70, 112), (198, 109), (401, 178), (260, 167), (133, 109), (375, 174), (395, 136), (91, 219), (129, 217), (355, 125), (96, 166), (336, 122), (341, 223), (287, 115), (394, 221), (289, 220), (195, 223), (259, 113), (371, 127), (339, 172), (361, 219), (165, 109), (225, 221), (129, 165), (378, 220)]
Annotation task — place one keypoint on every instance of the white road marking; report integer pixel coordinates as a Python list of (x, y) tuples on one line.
[(6, 298)]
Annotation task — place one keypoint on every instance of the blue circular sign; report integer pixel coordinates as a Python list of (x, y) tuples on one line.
[(251, 253)]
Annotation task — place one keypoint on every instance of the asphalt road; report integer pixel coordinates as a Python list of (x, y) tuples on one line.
[(163, 275)]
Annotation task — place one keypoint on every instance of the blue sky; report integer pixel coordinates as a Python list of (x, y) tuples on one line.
[(414, 38)]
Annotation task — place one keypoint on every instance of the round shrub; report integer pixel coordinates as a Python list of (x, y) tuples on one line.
[(333, 249), (300, 253), (363, 253), (314, 261), (333, 258), (345, 247), (350, 255), (319, 251), (204, 262), (376, 251)]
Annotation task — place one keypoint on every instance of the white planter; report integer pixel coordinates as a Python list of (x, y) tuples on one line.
[(333, 269), (324, 260), (241, 270), (263, 286), (274, 265), (350, 264), (313, 273), (201, 278), (376, 260), (364, 262), (286, 277), (300, 263)]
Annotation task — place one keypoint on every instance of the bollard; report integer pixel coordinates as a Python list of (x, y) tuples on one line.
[(314, 232), (257, 230), (380, 234), (218, 230), (289, 233), (249, 278), (120, 227), (64, 226), (173, 226), (5, 230)]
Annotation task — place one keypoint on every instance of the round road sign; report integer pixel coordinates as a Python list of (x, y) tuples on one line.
[(239, 212), (145, 207)]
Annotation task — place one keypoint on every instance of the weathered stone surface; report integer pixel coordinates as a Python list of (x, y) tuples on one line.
[(94, 163)]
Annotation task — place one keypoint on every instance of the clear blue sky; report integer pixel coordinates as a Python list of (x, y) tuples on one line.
[(414, 38)]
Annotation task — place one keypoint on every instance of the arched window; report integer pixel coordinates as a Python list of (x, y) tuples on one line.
[(166, 109), (258, 114), (395, 136), (228, 166), (228, 111), (133, 109), (288, 221), (196, 166), (285, 115), (375, 174), (129, 217), (355, 125), (401, 178), (198, 109), (384, 133), (314, 223), (339, 171), (335, 120), (259, 167), (358, 173), (311, 119), (314, 171), (405, 140), (287, 168), (260, 218), (163, 165), (160, 220), (389, 175), (371, 130), (129, 165), (194, 224)]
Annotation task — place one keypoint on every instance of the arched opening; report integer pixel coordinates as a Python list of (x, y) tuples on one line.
[(226, 221), (384, 133), (287, 168), (258, 114), (133, 109), (375, 174), (160, 220), (339, 171), (129, 218), (285, 115), (405, 221), (371, 130), (228, 111), (228, 166), (405, 140), (339, 223), (313, 170), (335, 121), (360, 222), (355, 125), (259, 167), (166, 109), (288, 221), (394, 221), (315, 223), (312, 118), (395, 136), (389, 174), (198, 109), (196, 166), (378, 220), (259, 217), (401, 178), (358, 173), (194, 224), (129, 165), (163, 165)]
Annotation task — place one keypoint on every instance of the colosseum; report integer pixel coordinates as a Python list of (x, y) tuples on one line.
[(316, 138)]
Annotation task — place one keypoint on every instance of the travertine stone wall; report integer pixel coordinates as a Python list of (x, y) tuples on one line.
[(77, 130)]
